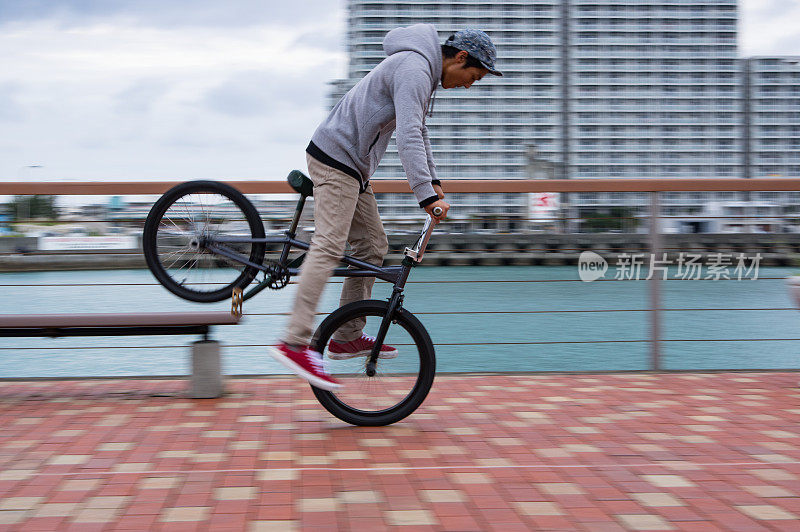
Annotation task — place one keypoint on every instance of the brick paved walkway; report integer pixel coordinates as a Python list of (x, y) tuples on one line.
[(593, 452)]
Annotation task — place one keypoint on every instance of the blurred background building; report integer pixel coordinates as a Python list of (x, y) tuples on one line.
[(594, 89)]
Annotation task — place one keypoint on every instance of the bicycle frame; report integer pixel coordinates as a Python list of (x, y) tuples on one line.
[(356, 268)]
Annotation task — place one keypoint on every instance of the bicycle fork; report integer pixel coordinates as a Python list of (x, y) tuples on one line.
[(395, 303)]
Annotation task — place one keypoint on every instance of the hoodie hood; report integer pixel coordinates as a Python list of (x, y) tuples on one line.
[(420, 38)]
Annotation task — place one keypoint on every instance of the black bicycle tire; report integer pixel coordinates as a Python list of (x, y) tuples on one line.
[(413, 400), (150, 245)]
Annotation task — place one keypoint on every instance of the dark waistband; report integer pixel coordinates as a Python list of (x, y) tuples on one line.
[(314, 151)]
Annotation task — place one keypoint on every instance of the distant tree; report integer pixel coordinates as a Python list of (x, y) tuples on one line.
[(28, 207)]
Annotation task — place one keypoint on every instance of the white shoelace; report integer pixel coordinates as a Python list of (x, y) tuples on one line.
[(319, 363)]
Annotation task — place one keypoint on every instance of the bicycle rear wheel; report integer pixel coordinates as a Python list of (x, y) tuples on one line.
[(400, 384), (179, 226)]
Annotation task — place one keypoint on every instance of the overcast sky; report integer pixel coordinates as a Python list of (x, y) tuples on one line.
[(185, 89)]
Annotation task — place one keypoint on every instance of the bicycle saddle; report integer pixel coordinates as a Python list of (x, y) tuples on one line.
[(301, 183)]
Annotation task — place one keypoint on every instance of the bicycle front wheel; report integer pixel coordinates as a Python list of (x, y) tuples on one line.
[(400, 384), (180, 225)]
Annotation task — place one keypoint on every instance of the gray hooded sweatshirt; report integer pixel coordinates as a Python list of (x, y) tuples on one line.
[(396, 94)]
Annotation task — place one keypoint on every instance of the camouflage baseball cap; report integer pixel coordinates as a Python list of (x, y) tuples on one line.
[(477, 44)]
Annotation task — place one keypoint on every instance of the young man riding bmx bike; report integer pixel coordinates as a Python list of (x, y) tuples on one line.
[(342, 156)]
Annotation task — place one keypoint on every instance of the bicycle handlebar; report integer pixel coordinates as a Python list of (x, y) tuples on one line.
[(422, 242)]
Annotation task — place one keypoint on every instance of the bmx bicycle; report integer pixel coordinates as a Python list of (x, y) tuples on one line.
[(203, 240)]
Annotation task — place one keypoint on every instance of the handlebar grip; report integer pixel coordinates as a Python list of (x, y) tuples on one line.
[(437, 211)]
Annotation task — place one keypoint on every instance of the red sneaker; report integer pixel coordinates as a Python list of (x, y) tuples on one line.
[(358, 348), (306, 363)]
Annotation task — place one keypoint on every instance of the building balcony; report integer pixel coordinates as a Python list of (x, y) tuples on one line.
[(637, 152), (652, 53), (656, 68)]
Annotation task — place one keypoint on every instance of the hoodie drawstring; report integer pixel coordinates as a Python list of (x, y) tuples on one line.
[(431, 102)]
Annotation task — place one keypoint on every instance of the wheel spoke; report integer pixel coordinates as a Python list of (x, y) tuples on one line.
[(201, 212), (182, 253)]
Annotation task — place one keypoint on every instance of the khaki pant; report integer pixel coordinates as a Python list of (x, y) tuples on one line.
[(341, 216)]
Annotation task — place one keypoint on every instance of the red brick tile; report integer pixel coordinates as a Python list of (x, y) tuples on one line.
[(361, 523), (135, 522), (180, 527), (275, 513), (737, 522), (463, 522), (697, 526), (45, 523), (551, 522), (590, 515), (492, 515), (220, 521), (318, 519)]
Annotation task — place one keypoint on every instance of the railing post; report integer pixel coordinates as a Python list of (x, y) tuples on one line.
[(655, 284)]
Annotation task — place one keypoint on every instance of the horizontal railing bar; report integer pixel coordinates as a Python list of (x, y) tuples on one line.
[(598, 245), (401, 186), (557, 280), (491, 251), (473, 215), (139, 221), (525, 372), (603, 204), (447, 281), (451, 344), (573, 311), (550, 311), (629, 341)]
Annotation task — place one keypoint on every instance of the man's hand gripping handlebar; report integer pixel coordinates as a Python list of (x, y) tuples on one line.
[(439, 204)]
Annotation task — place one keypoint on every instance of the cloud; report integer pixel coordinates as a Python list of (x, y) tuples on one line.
[(173, 13), (325, 38), (263, 93), (141, 96), (769, 27), (10, 108), (113, 97)]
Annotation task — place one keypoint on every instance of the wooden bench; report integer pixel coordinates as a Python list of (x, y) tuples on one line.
[(206, 378)]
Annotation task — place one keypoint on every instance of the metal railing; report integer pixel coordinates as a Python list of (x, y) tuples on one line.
[(655, 240)]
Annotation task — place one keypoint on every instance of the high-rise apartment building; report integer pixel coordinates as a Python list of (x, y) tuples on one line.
[(653, 89), (772, 118), (595, 88)]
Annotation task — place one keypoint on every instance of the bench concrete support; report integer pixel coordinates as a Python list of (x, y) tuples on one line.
[(206, 380)]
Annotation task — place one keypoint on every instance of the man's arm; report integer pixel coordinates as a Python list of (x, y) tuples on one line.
[(429, 153), (437, 185), (411, 88)]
